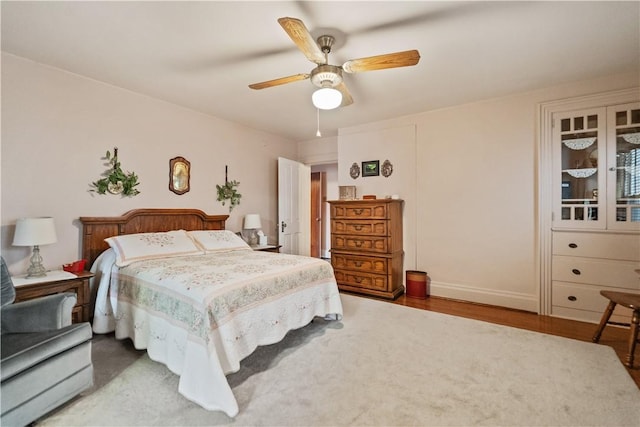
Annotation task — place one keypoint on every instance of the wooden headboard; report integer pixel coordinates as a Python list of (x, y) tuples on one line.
[(96, 229)]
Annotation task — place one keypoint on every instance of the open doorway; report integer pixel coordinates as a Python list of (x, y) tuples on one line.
[(324, 187)]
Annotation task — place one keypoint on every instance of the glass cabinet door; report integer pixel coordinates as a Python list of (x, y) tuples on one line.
[(624, 167), (579, 178)]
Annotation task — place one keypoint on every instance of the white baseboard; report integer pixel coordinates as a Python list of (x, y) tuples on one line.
[(485, 296)]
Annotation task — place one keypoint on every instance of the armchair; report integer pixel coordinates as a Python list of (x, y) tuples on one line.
[(45, 359)]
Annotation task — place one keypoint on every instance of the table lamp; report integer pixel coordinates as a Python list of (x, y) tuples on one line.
[(35, 232), (252, 222)]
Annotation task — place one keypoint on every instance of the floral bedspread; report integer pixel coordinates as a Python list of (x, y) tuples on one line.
[(200, 315)]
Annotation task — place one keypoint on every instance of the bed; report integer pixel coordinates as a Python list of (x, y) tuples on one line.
[(198, 311)]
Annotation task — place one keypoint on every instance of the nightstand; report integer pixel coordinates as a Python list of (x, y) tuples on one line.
[(56, 282), (267, 248)]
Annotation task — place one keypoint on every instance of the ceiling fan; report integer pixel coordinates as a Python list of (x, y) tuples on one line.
[(333, 92)]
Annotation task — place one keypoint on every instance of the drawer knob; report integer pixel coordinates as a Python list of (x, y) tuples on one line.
[(358, 263), (576, 271), (358, 243), (572, 298), (358, 279), (357, 227), (573, 245), (358, 211)]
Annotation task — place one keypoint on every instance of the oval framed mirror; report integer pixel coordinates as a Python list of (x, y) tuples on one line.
[(179, 175)]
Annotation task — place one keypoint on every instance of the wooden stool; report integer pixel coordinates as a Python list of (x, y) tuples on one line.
[(628, 300)]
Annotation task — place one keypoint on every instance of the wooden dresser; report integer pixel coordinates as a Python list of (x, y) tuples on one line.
[(366, 246)]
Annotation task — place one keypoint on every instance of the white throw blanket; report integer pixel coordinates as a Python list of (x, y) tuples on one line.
[(201, 315)]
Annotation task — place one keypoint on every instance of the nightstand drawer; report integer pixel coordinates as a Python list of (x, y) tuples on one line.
[(78, 285), (267, 248)]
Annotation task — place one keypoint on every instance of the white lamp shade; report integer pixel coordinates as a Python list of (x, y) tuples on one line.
[(327, 98), (252, 221), (34, 231)]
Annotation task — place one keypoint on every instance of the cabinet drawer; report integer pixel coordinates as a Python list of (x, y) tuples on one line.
[(368, 211), (360, 263), (619, 274), (587, 299), (364, 243), (361, 280), (370, 227), (597, 245)]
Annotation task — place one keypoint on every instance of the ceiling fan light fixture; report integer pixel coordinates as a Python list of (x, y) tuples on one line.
[(326, 98)]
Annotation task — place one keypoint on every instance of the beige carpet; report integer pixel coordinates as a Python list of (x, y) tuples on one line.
[(385, 364)]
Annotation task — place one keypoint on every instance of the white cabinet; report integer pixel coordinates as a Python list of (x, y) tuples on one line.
[(623, 167), (595, 237), (596, 168)]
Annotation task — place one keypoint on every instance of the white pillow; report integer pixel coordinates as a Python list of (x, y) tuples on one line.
[(218, 240), (137, 247)]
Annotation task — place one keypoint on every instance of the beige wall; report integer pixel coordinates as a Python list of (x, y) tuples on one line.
[(467, 173), (56, 126), (318, 151), (473, 193)]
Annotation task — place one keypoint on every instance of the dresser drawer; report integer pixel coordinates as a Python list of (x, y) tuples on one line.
[(361, 280), (586, 299), (360, 263), (357, 211), (597, 245), (619, 274), (365, 226), (360, 243)]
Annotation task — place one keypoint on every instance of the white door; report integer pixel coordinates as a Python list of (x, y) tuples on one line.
[(294, 207)]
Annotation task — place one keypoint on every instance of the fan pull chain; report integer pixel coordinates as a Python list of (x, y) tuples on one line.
[(318, 120)]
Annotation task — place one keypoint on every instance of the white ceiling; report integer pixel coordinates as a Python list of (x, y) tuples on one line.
[(202, 55)]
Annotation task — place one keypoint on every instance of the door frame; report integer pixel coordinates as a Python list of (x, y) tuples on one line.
[(294, 205), (318, 195)]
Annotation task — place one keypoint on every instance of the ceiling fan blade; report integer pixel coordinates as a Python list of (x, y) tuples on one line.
[(380, 62), (280, 81), (347, 99), (302, 38)]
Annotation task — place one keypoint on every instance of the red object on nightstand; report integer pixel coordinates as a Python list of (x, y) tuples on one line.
[(417, 284), (75, 267)]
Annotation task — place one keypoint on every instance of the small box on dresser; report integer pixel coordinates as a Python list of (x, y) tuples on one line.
[(366, 246)]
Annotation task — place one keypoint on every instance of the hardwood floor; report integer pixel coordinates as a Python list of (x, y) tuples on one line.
[(612, 336)]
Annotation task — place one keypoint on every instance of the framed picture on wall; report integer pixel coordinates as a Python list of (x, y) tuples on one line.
[(371, 168)]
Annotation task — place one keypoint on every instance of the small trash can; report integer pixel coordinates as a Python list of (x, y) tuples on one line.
[(417, 284)]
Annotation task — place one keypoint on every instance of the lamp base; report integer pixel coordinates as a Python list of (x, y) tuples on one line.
[(36, 269), (253, 237)]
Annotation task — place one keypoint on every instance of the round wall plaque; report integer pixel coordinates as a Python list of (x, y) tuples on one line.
[(387, 169), (354, 171)]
